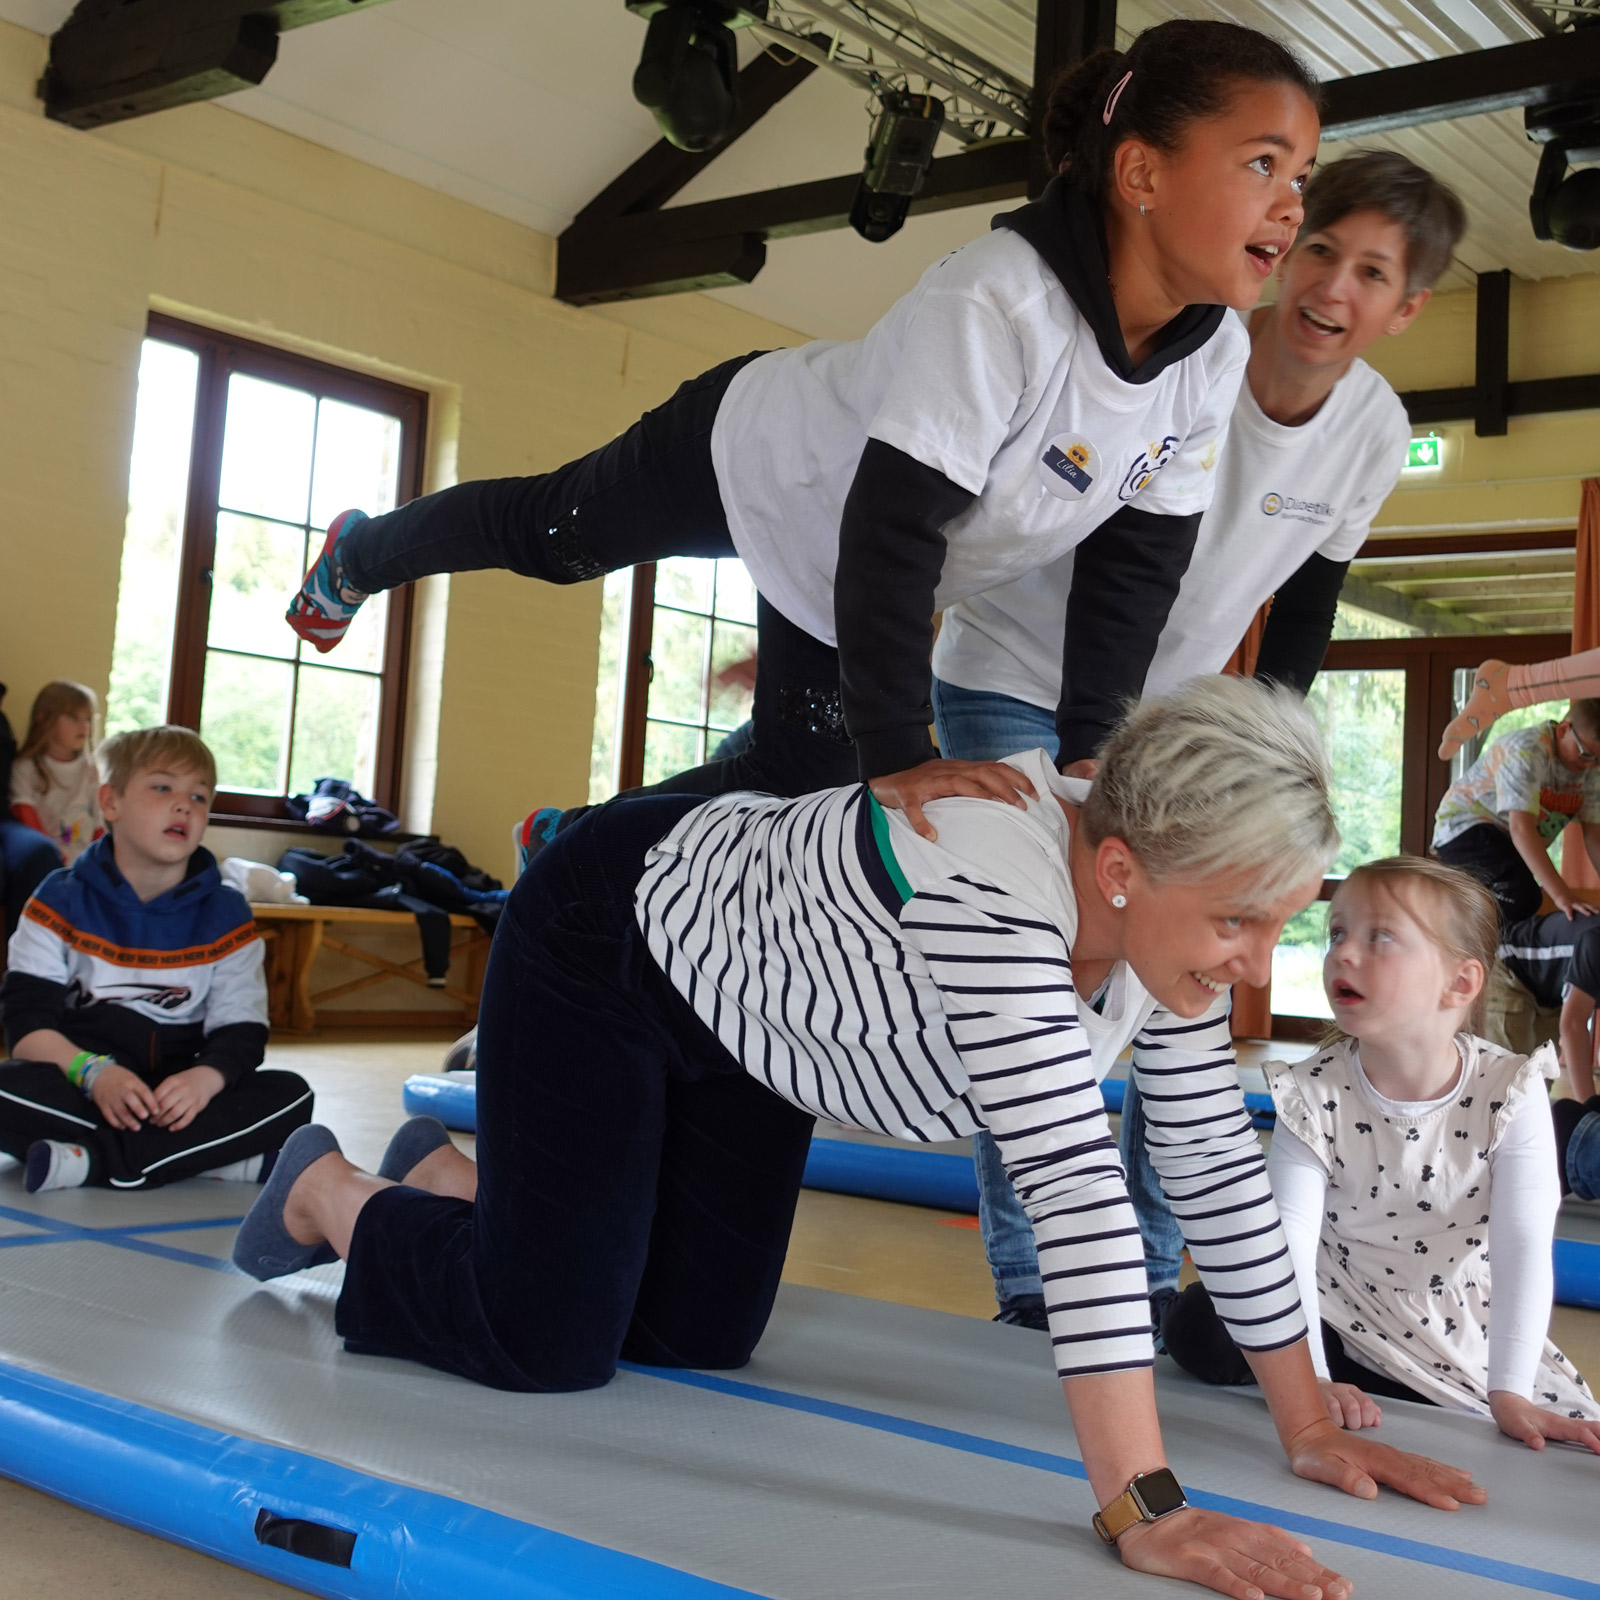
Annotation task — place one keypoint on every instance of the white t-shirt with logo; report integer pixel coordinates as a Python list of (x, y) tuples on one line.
[(987, 373), (1282, 496)]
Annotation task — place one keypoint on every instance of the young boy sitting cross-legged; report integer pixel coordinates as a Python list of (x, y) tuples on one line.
[(135, 1009)]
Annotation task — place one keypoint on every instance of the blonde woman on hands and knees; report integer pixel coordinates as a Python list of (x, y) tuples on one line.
[(645, 1106), (1409, 1156)]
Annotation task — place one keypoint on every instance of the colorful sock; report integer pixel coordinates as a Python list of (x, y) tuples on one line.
[(52, 1164), (253, 1169), (533, 833), (1488, 702), (327, 602)]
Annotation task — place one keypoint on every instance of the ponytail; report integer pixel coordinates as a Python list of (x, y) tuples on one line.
[(1177, 73)]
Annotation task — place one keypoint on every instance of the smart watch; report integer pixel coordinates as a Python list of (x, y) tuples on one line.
[(1148, 1498)]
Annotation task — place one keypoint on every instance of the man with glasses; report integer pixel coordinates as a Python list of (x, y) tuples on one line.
[(1497, 823)]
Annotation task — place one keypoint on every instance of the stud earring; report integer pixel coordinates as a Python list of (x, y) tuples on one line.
[(1141, 208), (1119, 901)]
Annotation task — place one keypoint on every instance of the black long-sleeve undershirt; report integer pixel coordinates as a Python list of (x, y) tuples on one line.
[(1300, 624), (891, 552), (1125, 577)]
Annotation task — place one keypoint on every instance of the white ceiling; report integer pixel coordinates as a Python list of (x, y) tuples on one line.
[(524, 107)]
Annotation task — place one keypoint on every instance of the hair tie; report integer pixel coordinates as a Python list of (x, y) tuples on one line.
[(1112, 98)]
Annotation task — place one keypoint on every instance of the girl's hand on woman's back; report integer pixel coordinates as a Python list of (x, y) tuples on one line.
[(1323, 1454), (1532, 1424), (1348, 1406), (911, 790), (1244, 1559)]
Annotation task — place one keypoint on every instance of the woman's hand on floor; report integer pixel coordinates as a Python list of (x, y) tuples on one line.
[(1325, 1455), (911, 790), (1247, 1560), (1532, 1424), (1348, 1406)]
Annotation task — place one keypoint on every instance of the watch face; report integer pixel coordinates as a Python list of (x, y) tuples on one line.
[(1158, 1492)]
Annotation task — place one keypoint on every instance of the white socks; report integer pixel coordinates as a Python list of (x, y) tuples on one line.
[(52, 1164), (246, 1171)]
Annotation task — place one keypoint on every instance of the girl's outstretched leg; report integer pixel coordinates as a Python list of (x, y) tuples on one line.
[(1498, 688)]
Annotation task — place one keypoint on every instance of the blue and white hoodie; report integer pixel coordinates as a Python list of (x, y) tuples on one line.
[(159, 984)]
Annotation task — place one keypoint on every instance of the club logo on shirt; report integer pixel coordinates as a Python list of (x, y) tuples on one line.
[(1064, 468), (1146, 465), (1316, 512)]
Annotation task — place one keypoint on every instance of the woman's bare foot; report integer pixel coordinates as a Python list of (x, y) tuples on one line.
[(1487, 703), (326, 1200), (446, 1171)]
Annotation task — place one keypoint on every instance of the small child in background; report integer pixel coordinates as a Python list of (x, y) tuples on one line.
[(1499, 820), (54, 782), (135, 1007), (1407, 1157)]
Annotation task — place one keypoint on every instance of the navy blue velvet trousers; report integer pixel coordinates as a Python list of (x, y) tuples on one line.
[(636, 1187)]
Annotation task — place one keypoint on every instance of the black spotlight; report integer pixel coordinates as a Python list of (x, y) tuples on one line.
[(1565, 206), (688, 75), (898, 159)]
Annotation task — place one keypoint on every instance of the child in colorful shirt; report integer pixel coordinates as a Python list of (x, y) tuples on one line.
[(1498, 822)]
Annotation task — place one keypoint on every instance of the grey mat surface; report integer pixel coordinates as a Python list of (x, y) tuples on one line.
[(721, 1481)]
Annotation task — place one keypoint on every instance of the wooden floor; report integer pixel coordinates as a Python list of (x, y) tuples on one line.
[(864, 1247)]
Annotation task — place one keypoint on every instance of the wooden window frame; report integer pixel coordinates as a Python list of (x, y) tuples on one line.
[(220, 356)]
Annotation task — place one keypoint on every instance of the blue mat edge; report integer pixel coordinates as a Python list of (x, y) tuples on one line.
[(195, 1486)]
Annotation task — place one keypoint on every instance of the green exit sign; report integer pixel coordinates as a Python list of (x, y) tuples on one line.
[(1428, 451)]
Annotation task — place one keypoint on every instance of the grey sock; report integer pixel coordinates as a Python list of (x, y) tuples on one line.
[(413, 1142), (264, 1247)]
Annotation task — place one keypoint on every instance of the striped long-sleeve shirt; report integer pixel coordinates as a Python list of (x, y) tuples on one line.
[(925, 990)]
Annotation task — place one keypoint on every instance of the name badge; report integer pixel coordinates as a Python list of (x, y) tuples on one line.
[(1068, 466)]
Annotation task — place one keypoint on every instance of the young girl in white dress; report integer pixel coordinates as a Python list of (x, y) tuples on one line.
[(1407, 1156)]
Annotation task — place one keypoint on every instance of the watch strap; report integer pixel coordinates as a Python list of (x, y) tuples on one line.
[(1130, 1507)]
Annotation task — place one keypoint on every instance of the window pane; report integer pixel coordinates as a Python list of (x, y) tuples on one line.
[(608, 689), (158, 488), (732, 646), (736, 594), (685, 581), (335, 729), (361, 649), (258, 566), (678, 650), (266, 449), (669, 749), (358, 462), (1362, 715), (1297, 965), (244, 717)]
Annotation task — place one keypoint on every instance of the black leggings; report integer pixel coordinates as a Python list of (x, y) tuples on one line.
[(649, 494), (636, 1186), (1486, 853), (1199, 1341)]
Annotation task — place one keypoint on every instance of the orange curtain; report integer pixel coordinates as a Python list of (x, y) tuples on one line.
[(1252, 1007), (1576, 867)]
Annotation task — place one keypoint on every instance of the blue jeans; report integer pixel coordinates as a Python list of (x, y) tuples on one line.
[(1583, 1158), (980, 725)]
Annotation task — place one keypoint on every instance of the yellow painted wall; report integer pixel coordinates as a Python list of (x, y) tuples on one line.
[(1530, 477), (212, 216)]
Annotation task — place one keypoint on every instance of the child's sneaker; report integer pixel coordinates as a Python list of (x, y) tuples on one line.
[(52, 1164), (533, 833), (327, 601)]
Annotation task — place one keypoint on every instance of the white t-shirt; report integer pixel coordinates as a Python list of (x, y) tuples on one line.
[(66, 796), (987, 373), (1282, 496)]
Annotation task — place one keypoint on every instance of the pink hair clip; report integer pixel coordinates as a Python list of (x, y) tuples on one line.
[(1112, 98)]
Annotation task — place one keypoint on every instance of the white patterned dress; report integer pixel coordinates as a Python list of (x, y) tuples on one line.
[(1402, 1265)]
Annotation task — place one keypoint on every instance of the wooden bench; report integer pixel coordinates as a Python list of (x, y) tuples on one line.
[(294, 935)]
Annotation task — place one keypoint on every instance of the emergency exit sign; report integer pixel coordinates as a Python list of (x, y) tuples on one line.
[(1428, 451)]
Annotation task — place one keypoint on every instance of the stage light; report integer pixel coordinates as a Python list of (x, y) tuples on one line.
[(898, 157), (688, 73), (1565, 206)]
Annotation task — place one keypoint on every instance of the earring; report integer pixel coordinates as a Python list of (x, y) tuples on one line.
[(1119, 901), (1141, 208)]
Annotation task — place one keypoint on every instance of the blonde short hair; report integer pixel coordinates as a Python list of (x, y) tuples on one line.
[(1223, 777), (125, 755)]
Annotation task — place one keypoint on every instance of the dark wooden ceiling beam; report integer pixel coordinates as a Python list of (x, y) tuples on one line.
[(664, 169), (111, 61), (1536, 72)]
